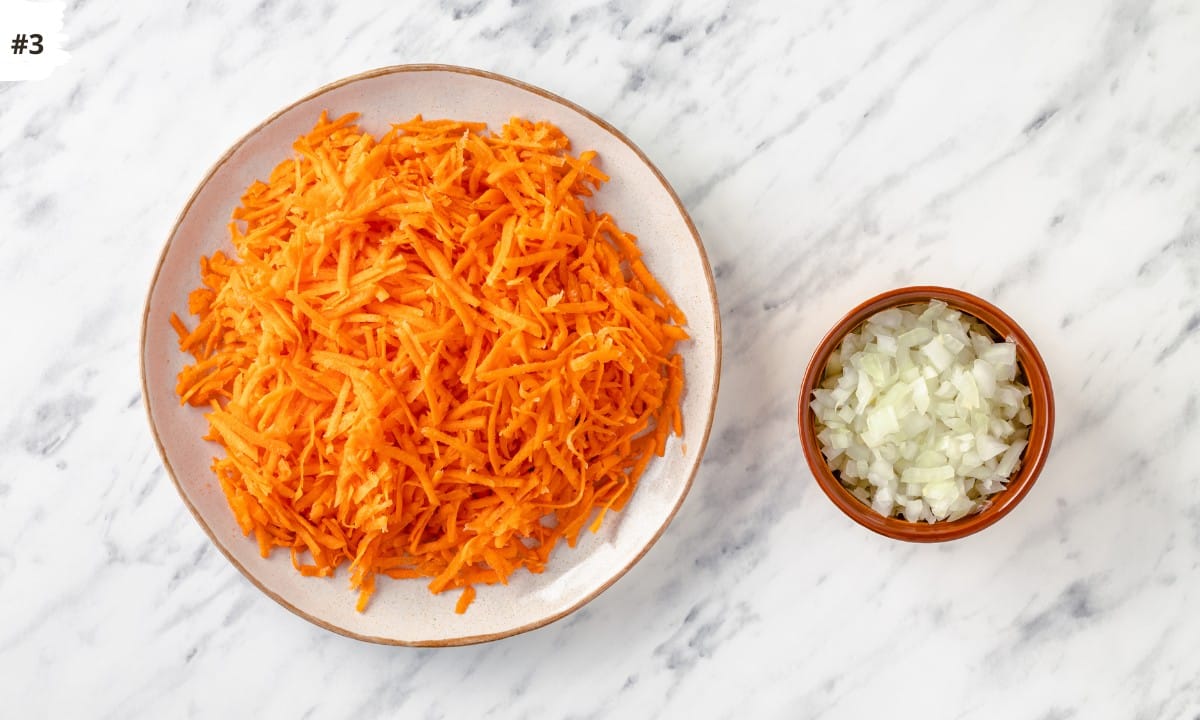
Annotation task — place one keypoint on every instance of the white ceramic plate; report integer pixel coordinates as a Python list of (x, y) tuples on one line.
[(404, 611)]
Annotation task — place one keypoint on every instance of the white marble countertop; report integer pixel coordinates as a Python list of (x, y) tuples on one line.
[(1043, 155)]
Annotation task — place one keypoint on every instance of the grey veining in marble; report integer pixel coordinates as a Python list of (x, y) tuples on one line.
[(1045, 155)]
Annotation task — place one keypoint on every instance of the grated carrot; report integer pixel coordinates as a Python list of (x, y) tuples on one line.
[(429, 358)]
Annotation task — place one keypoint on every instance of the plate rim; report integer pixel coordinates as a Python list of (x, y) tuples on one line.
[(495, 77)]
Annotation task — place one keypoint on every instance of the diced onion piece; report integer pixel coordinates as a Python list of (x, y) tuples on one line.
[(915, 337), (887, 344), (937, 353), (920, 394), (865, 392), (989, 447), (912, 510), (881, 422), (1011, 456), (985, 378), (940, 496), (890, 318)]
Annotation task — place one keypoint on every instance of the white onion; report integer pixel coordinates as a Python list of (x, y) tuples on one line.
[(920, 413)]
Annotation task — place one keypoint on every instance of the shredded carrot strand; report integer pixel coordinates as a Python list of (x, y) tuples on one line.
[(429, 357)]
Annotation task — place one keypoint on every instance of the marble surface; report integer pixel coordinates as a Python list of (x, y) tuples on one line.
[(1043, 155)]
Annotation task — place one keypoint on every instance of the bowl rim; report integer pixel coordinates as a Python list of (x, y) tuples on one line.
[(1041, 405), (703, 435)]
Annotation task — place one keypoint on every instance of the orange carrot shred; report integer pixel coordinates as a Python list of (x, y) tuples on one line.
[(465, 600), (428, 356)]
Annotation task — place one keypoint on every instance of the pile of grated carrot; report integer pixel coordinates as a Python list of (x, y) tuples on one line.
[(429, 357)]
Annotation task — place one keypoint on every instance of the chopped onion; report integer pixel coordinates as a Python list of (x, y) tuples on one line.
[(920, 413)]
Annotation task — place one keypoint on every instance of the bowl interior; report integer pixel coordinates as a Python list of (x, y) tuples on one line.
[(404, 611), (1030, 365)]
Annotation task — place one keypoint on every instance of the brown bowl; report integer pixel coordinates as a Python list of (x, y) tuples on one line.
[(1041, 406)]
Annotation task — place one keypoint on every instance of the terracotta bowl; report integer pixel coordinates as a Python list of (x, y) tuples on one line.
[(1030, 366)]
